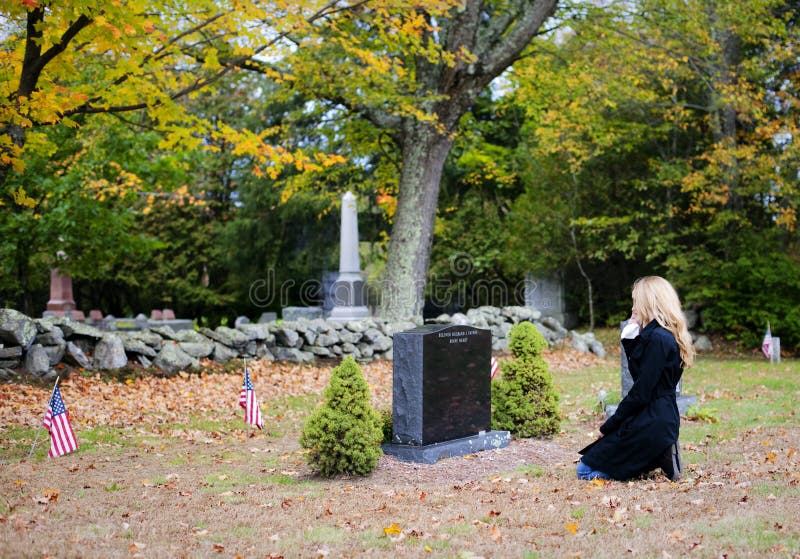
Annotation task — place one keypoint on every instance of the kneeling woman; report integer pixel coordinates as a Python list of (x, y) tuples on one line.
[(642, 435)]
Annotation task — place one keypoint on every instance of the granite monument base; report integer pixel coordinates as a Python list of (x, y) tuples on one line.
[(432, 453)]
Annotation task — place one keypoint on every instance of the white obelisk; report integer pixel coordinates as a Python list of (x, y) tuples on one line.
[(348, 289)]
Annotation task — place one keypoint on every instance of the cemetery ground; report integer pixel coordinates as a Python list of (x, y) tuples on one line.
[(167, 468)]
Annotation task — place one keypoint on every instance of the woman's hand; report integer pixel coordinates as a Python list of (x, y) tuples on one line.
[(635, 317)]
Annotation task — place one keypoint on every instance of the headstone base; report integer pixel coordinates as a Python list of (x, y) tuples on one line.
[(432, 453), (684, 403), (71, 314), (348, 313)]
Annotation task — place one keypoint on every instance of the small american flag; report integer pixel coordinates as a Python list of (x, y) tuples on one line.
[(494, 367), (766, 345), (247, 399), (62, 437)]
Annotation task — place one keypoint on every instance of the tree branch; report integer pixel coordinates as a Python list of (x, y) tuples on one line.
[(240, 62), (34, 61)]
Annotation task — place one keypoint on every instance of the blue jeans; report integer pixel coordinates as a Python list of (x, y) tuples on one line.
[(585, 472)]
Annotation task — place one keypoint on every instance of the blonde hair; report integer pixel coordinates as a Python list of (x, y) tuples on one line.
[(654, 298)]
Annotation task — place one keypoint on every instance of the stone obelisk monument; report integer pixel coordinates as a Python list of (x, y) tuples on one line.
[(61, 301), (348, 289)]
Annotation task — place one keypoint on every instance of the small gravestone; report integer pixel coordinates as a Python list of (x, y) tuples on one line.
[(547, 295), (442, 398), (61, 302), (775, 350), (267, 316), (141, 321), (684, 401)]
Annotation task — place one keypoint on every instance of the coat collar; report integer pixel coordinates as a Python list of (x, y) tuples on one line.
[(648, 330)]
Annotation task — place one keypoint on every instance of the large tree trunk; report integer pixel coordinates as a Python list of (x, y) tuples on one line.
[(424, 153), (495, 35)]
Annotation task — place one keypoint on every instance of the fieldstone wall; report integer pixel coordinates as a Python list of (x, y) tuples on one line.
[(43, 345)]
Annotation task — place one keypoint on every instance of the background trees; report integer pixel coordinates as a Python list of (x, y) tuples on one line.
[(675, 137), (179, 157), (436, 62)]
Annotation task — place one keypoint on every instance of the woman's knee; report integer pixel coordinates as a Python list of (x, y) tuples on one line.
[(586, 472)]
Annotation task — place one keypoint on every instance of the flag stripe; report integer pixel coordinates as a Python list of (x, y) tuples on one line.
[(56, 421), (247, 400), (766, 345)]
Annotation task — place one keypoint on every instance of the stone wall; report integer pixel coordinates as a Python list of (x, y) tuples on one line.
[(41, 346)]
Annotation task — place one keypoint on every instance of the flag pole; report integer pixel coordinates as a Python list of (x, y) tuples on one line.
[(58, 378), (247, 425)]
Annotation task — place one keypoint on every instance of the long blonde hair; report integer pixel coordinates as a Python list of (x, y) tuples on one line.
[(654, 298)]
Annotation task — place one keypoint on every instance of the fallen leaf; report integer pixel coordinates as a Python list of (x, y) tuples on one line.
[(51, 494), (619, 515), (496, 536), (572, 527), (393, 530), (770, 457), (219, 548)]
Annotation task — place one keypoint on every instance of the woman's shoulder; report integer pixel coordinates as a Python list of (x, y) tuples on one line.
[(655, 332)]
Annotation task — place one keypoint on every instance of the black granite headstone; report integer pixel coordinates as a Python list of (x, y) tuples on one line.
[(442, 393)]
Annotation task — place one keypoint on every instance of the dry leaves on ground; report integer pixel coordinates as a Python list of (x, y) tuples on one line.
[(151, 400)]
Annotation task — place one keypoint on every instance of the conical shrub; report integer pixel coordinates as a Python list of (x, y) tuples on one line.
[(524, 400), (344, 434)]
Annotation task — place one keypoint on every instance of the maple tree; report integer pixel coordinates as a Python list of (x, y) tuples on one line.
[(671, 129), (74, 75), (65, 59), (434, 63)]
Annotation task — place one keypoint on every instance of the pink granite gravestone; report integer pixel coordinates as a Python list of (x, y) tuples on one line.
[(61, 302)]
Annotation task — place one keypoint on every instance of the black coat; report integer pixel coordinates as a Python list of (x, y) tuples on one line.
[(647, 420)]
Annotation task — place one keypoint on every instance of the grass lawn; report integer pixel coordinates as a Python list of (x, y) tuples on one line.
[(166, 468)]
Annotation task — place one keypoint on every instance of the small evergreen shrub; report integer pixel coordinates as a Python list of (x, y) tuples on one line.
[(524, 400), (387, 424), (344, 434)]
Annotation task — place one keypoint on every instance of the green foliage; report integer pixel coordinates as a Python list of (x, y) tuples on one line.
[(388, 424), (345, 432), (706, 415), (524, 400), (526, 342), (663, 156), (742, 285)]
